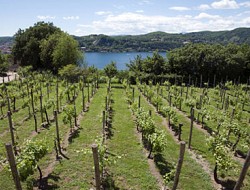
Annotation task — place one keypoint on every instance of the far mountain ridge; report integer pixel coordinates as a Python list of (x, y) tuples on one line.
[(157, 40), (161, 41)]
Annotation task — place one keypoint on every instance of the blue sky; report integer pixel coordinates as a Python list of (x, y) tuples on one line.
[(115, 17)]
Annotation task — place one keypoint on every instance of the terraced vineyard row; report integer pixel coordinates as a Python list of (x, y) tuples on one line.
[(137, 143)]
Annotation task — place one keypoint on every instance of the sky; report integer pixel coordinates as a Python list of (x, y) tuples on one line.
[(123, 17)]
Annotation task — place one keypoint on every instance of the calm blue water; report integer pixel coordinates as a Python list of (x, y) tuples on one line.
[(99, 60)]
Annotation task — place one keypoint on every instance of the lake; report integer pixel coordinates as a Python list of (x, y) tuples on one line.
[(100, 59)]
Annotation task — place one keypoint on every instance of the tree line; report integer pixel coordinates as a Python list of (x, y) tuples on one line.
[(226, 62), (45, 46)]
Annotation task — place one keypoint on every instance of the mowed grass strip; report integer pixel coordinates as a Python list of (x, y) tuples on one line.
[(192, 175), (6, 181), (132, 170), (200, 146), (78, 171)]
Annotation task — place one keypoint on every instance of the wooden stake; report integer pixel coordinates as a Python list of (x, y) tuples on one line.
[(191, 128), (57, 132), (139, 101), (96, 164), (180, 131), (41, 108), (57, 96), (133, 95), (88, 93), (243, 172), (83, 100), (34, 115), (13, 167), (103, 125), (179, 165), (11, 132)]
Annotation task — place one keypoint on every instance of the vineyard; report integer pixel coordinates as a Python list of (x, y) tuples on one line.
[(97, 134)]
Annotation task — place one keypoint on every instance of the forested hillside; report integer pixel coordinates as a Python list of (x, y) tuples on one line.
[(161, 40), (156, 40)]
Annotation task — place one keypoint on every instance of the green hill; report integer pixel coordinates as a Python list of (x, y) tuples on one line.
[(161, 40), (155, 40)]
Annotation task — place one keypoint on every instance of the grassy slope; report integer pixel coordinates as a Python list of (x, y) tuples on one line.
[(192, 176), (132, 170)]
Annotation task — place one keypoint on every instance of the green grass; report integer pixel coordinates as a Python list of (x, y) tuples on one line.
[(132, 170), (24, 131), (200, 146), (192, 175), (77, 172)]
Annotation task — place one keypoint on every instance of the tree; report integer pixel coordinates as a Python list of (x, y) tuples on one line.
[(26, 47), (70, 72), (4, 65), (135, 68), (44, 46), (65, 51), (110, 70)]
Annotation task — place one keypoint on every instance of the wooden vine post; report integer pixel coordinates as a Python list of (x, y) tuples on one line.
[(180, 131), (214, 81), (57, 132), (13, 167), (47, 86), (41, 107), (187, 92), (32, 100), (139, 101), (57, 95), (92, 89), (179, 165), (11, 132), (150, 113), (170, 99), (83, 99), (103, 125), (106, 103), (88, 93), (133, 95), (8, 101), (243, 172), (201, 81), (191, 127), (97, 168), (75, 114)]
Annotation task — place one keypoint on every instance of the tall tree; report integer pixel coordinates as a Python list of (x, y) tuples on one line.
[(59, 50), (110, 70), (26, 47), (4, 65)]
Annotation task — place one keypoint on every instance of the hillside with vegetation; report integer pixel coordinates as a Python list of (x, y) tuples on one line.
[(67, 126), (155, 40), (161, 40)]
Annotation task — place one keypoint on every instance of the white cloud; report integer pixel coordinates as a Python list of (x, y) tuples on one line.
[(225, 4), (179, 8), (102, 13), (245, 4), (135, 23), (71, 18), (140, 11), (204, 7), (207, 16), (246, 22), (47, 17), (243, 13)]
